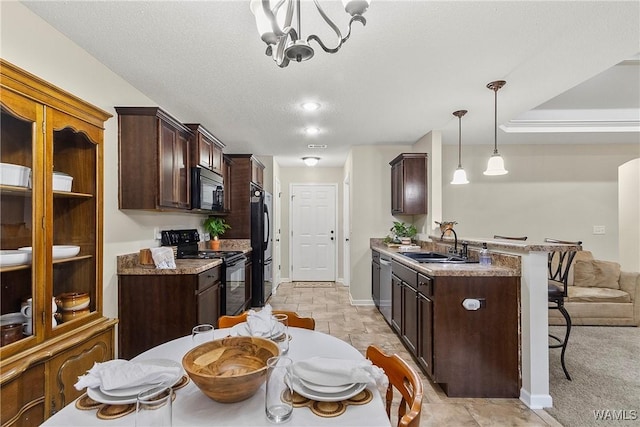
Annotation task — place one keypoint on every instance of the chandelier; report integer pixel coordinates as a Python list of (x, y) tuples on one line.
[(284, 39)]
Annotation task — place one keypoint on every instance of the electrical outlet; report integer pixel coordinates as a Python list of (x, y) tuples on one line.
[(599, 229)]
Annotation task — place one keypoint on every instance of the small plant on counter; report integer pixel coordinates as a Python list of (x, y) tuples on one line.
[(402, 230), (216, 227)]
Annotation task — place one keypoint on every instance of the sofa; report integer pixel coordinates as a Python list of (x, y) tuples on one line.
[(600, 294)]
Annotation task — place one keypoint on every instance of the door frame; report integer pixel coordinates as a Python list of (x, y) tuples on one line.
[(346, 231), (291, 211)]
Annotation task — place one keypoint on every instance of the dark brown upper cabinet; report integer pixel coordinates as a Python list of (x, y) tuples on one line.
[(409, 184), (153, 150), (206, 151)]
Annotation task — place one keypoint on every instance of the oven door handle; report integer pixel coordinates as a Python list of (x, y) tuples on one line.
[(235, 263)]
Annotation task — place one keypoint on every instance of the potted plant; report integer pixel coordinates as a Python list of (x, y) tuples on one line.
[(404, 232), (216, 227)]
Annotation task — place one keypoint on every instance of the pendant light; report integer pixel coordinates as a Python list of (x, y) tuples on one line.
[(495, 166), (459, 176)]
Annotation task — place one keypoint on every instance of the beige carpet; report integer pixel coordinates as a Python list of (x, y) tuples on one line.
[(604, 364), (314, 284)]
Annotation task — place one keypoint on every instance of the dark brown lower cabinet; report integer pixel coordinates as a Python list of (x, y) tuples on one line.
[(469, 353), (410, 321), (154, 309), (396, 304)]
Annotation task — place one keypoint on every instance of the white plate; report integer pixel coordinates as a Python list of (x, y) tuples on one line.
[(58, 251), (242, 330), (327, 397), (331, 389), (128, 395), (10, 318), (10, 257)]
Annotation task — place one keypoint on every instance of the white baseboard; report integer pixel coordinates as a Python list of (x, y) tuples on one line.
[(538, 401)]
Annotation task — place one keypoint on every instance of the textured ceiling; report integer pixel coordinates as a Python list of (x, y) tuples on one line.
[(396, 79)]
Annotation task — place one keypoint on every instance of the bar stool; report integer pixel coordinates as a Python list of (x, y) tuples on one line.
[(559, 263)]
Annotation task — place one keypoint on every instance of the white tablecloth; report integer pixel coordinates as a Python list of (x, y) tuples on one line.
[(192, 408)]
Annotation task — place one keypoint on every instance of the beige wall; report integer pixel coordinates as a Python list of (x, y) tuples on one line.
[(557, 191), (629, 215), (370, 177)]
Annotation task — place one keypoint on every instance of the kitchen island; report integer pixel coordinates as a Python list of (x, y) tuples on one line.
[(522, 260)]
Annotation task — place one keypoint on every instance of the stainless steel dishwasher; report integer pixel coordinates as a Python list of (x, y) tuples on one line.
[(385, 287)]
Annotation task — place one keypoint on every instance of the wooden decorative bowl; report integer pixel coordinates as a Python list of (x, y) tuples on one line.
[(230, 369)]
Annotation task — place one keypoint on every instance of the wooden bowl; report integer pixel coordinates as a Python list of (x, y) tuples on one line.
[(230, 369)]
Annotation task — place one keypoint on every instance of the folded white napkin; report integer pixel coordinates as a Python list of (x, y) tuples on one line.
[(163, 257), (335, 372), (119, 374), (261, 323)]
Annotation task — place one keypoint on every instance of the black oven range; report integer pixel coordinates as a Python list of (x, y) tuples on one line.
[(236, 292)]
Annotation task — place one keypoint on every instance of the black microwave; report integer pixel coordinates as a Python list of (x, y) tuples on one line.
[(207, 190)]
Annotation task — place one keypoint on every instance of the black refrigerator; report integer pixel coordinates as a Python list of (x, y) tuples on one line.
[(260, 227)]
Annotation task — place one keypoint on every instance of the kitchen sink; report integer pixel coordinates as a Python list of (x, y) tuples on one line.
[(436, 257)]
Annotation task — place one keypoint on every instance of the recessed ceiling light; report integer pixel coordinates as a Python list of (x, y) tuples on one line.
[(311, 131), (310, 106)]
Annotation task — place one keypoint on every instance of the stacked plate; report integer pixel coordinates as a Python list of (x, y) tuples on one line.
[(326, 393), (123, 396)]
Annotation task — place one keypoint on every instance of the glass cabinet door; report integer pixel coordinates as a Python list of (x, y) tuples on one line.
[(21, 212), (74, 205)]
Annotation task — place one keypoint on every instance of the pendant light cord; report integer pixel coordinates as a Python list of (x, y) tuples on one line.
[(460, 141), (495, 115)]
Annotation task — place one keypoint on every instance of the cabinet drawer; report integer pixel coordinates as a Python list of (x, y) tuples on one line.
[(208, 278), (22, 393), (425, 285), (404, 273)]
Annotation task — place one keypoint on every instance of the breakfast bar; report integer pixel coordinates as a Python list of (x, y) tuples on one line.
[(517, 259)]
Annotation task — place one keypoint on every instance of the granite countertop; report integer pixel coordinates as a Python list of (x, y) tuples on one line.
[(505, 266), (509, 245), (129, 264)]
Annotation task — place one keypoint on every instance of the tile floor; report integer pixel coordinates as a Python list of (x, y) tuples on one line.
[(329, 305)]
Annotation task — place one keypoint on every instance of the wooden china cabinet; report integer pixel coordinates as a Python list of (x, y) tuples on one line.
[(46, 129)]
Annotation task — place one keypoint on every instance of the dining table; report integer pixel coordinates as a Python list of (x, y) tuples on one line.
[(191, 407)]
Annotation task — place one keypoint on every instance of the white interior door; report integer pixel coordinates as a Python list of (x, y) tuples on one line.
[(313, 232)]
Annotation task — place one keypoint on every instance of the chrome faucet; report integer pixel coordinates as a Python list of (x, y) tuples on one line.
[(455, 240)]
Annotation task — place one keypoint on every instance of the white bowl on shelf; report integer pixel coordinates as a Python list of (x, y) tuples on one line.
[(16, 175), (62, 181), (10, 257), (59, 251)]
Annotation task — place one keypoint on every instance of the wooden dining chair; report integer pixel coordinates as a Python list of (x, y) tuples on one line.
[(294, 320), (403, 378)]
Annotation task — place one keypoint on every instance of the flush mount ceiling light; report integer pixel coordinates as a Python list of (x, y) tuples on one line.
[(311, 131), (274, 19), (459, 176), (495, 166), (310, 106), (311, 161)]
